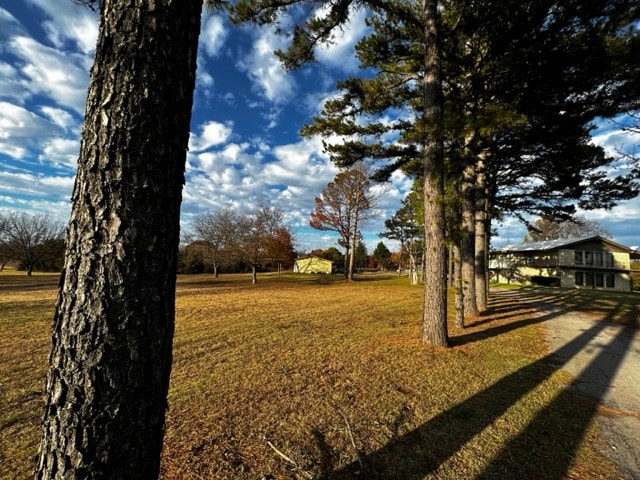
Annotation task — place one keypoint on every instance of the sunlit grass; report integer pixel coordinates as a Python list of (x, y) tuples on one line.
[(288, 360)]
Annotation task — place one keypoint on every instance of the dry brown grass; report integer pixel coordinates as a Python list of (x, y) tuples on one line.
[(293, 360), (26, 309)]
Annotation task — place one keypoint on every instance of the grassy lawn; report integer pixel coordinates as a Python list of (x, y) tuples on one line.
[(332, 376)]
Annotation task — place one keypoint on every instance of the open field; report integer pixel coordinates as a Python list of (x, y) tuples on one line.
[(333, 376)]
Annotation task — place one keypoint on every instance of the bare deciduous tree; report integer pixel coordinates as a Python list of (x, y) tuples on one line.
[(548, 229), (342, 207), (255, 236), (219, 230), (22, 234)]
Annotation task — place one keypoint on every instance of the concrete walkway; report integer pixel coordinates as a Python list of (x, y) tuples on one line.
[(606, 368)]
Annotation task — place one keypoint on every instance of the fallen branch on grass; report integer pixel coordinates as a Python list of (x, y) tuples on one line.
[(292, 462), (353, 441)]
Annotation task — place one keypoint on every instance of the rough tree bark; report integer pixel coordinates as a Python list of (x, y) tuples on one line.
[(481, 218), (106, 390), (456, 265), (434, 322), (467, 244)]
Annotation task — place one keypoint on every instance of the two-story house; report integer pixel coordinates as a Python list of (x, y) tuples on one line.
[(588, 262)]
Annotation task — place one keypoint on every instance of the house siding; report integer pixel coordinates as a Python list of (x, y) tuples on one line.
[(313, 265), (593, 264)]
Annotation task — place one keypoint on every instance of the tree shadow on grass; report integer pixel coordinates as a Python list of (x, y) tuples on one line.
[(545, 448)]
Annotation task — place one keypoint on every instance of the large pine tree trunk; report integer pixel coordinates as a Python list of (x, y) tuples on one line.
[(481, 237), (106, 390), (458, 284), (434, 322), (467, 244)]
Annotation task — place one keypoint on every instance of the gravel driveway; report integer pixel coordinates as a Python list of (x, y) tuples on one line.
[(604, 358)]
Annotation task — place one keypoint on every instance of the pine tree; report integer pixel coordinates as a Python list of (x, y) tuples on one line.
[(108, 378)]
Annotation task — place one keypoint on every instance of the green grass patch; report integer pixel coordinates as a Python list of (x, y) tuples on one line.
[(331, 374)]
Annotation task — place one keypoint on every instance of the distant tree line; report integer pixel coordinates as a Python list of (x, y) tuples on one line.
[(228, 241), (381, 259), (31, 242)]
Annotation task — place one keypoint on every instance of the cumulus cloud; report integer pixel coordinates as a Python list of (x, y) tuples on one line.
[(243, 175), (213, 35), (212, 133), (60, 117), (35, 186), (339, 53), (265, 70), (204, 80), (617, 140), (61, 151), (51, 72), (20, 128), (69, 23)]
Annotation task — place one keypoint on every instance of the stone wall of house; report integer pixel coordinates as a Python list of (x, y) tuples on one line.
[(566, 257)]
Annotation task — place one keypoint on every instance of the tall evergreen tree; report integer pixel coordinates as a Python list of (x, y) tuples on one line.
[(381, 256), (405, 226), (521, 81)]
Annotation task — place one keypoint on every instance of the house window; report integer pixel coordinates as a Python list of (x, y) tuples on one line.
[(608, 259), (610, 279), (588, 279), (599, 277), (578, 257), (588, 258), (579, 278), (597, 256)]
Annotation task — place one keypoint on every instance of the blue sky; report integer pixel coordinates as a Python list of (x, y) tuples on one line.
[(244, 147)]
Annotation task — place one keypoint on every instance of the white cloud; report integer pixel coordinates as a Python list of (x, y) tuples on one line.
[(12, 150), (213, 35), (265, 70), (616, 140), (17, 121), (51, 72), (9, 26), (60, 117), (43, 187), (204, 79), (10, 82), (55, 210), (61, 151), (69, 22), (243, 175), (231, 155), (339, 53), (213, 133), (21, 129)]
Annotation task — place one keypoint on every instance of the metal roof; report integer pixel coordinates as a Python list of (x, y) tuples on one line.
[(546, 245)]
